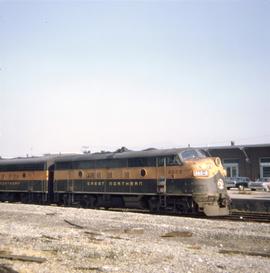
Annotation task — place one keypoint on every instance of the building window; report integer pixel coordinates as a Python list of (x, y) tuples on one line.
[(232, 167), (265, 167)]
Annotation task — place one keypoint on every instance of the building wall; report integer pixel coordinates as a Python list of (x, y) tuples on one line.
[(255, 154), (249, 158)]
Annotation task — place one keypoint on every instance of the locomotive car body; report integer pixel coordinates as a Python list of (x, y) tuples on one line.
[(183, 181), (25, 180)]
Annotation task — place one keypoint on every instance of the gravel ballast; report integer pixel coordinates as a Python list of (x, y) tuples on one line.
[(56, 239)]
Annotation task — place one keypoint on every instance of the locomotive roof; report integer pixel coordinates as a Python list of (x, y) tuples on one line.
[(29, 160), (93, 156), (122, 155)]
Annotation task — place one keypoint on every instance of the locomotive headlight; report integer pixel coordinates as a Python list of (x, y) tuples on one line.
[(200, 173), (218, 162), (220, 184)]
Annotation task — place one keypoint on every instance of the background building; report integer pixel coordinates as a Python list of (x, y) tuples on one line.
[(244, 160)]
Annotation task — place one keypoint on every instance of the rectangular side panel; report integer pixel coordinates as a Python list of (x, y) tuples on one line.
[(179, 186), (108, 186), (18, 186), (60, 186)]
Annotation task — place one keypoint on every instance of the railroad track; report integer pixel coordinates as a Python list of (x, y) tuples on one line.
[(242, 216), (234, 215), (245, 216)]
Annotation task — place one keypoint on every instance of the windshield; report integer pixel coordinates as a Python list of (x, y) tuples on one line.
[(191, 154)]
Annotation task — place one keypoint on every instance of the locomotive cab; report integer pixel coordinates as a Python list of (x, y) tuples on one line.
[(209, 191), (189, 181)]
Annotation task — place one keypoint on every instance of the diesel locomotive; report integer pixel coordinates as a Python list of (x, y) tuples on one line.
[(181, 181)]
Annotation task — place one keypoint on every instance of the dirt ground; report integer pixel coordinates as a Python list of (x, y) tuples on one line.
[(55, 239)]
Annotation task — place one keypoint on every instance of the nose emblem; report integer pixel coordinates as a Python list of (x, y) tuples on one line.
[(220, 184)]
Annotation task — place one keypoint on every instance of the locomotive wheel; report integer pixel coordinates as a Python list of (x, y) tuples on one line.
[(24, 198), (84, 202), (88, 201), (92, 201), (153, 204)]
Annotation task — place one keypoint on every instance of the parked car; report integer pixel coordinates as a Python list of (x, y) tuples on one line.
[(260, 184), (237, 182), (230, 183)]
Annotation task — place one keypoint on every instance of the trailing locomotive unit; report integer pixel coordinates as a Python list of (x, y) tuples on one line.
[(175, 180), (26, 180)]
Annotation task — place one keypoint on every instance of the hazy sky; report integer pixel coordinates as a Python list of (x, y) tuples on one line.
[(137, 74)]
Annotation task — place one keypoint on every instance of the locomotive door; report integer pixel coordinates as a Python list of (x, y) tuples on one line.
[(161, 175)]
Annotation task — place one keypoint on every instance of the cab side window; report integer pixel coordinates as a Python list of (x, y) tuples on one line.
[(161, 161)]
